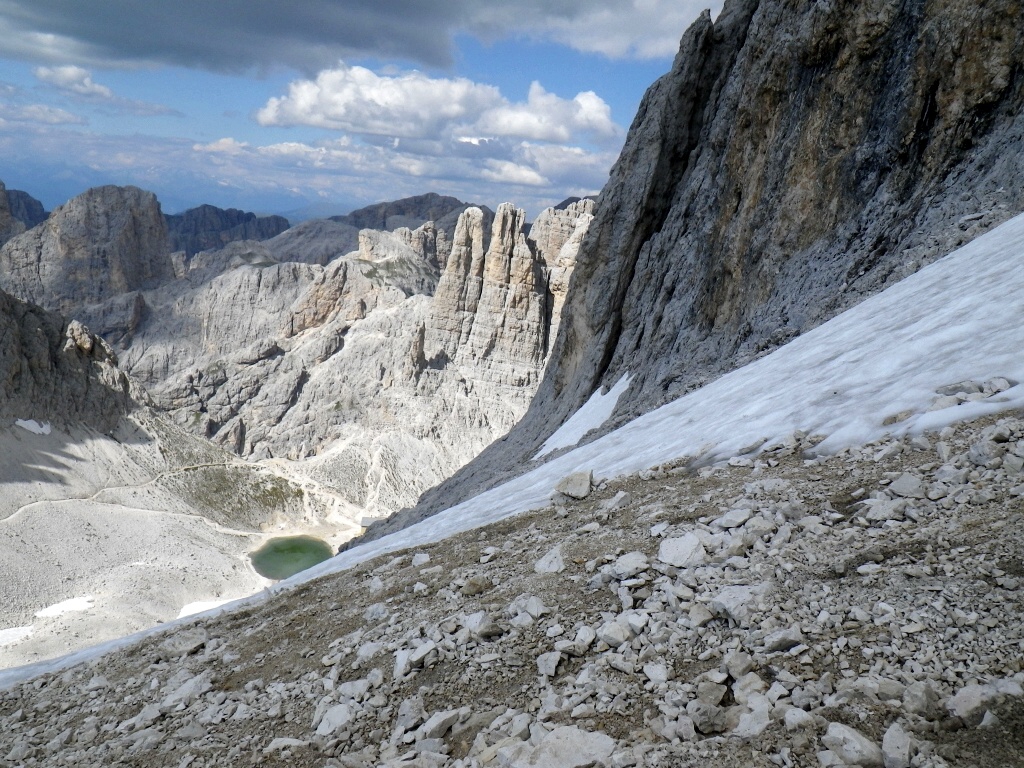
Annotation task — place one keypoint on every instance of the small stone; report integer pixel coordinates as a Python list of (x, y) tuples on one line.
[(577, 485), (970, 703), (334, 719), (738, 664), (908, 486), (439, 724), (482, 625), (547, 663), (551, 562), (476, 585), (737, 602), (569, 747), (183, 642), (797, 719), (683, 552), (284, 743), (420, 558), (614, 634), (852, 747), (752, 724), (896, 747), (734, 518), (700, 615), (618, 501), (710, 692), (783, 639), (707, 718), (656, 673), (630, 564)]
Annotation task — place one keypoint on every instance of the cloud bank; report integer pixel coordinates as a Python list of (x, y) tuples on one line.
[(241, 35)]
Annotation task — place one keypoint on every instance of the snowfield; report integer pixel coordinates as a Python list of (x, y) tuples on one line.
[(885, 366)]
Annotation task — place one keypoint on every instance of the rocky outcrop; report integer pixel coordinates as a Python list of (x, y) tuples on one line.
[(57, 372), (381, 371), (207, 228), (103, 243), (793, 162), (557, 235), (491, 311), (10, 225), (409, 212), (317, 241), (26, 208)]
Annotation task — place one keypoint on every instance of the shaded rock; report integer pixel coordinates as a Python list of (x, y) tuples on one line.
[(105, 242), (207, 228)]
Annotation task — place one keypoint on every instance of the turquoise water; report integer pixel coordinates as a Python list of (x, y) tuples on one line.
[(285, 556)]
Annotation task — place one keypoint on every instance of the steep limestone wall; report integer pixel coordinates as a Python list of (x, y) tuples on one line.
[(797, 158)]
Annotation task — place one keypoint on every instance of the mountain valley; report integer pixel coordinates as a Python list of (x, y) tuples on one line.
[(721, 467)]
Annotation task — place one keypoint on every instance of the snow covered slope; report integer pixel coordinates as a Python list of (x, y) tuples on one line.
[(958, 319), (880, 367)]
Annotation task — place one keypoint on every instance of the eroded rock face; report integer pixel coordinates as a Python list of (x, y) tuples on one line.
[(26, 208), (805, 159), (209, 227), (55, 371), (379, 372), (382, 369), (795, 160), (105, 242), (10, 225)]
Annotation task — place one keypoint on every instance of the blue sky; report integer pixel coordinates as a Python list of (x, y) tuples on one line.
[(273, 106)]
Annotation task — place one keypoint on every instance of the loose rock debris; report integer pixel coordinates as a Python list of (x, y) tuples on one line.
[(862, 609)]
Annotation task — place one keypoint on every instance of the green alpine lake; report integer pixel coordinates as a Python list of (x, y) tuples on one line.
[(285, 556)]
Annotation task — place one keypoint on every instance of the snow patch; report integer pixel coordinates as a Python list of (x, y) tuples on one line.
[(33, 426), (14, 635), (191, 609), (595, 412), (66, 606)]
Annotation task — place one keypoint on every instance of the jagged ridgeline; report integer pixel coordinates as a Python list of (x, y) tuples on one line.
[(381, 359), (797, 158)]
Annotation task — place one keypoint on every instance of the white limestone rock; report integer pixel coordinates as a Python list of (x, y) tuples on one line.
[(738, 602), (897, 747), (852, 747), (685, 551), (335, 719), (577, 485), (552, 562)]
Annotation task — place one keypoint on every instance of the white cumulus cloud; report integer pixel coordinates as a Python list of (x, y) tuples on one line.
[(412, 105), (547, 117), (357, 99), (72, 79)]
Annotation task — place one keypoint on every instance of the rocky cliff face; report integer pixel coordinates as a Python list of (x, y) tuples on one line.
[(26, 208), (379, 373), (317, 241), (10, 225), (382, 370), (103, 243), (207, 228), (796, 159), (55, 371)]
